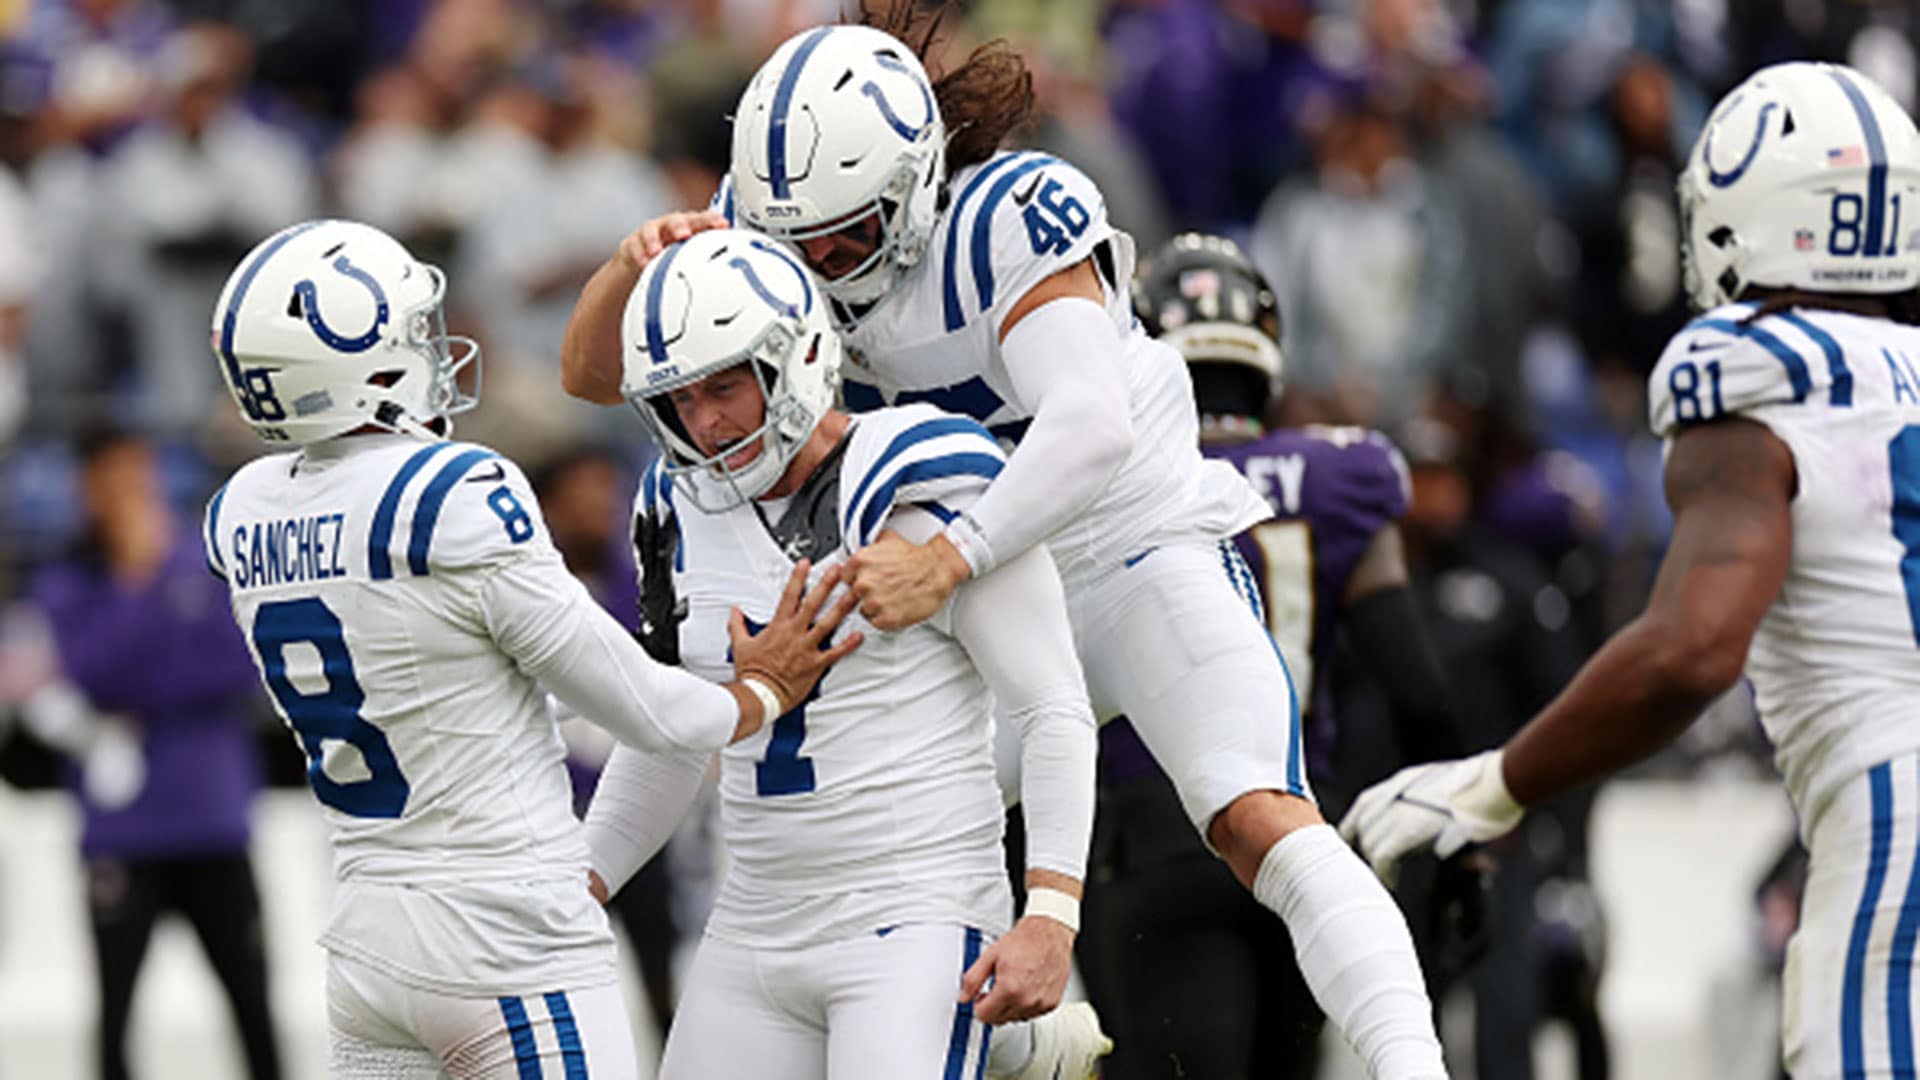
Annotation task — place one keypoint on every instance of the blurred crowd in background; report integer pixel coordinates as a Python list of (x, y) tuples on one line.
[(1466, 208)]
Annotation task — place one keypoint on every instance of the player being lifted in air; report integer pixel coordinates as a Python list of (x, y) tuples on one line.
[(409, 615), (1167, 929), (866, 900), (990, 283), (1791, 411)]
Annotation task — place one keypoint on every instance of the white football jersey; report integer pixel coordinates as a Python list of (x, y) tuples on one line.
[(355, 571), (1009, 223), (873, 803), (1833, 664)]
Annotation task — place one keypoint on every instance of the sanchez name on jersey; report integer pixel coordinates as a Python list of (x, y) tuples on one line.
[(355, 572)]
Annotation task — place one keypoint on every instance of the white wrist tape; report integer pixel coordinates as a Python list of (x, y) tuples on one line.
[(1055, 905), (769, 701)]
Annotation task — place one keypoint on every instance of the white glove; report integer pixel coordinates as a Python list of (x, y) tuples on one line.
[(1448, 804)]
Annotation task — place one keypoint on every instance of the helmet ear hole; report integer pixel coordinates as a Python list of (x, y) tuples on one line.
[(1721, 236), (387, 380), (293, 306), (1786, 123)]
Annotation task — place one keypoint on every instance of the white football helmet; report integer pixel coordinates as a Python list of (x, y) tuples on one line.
[(1806, 176), (838, 126), (722, 298), (327, 326)]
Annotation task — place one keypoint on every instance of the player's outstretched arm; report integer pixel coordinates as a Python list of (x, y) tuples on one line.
[(1013, 624), (1730, 484), (590, 351)]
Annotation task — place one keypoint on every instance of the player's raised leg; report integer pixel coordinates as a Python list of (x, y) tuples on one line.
[(1176, 642)]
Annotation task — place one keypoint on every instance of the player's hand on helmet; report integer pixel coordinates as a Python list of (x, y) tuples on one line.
[(1028, 968), (794, 649), (645, 243), (900, 583), (1445, 804)]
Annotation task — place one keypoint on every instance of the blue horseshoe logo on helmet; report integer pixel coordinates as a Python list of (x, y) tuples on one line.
[(1728, 179), (872, 90), (309, 302), (791, 311)]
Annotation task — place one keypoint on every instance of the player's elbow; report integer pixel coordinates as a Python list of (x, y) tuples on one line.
[(1698, 662)]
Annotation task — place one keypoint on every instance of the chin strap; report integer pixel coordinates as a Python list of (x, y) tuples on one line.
[(392, 417)]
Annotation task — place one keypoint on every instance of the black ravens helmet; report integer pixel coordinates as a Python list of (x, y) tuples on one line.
[(1202, 295)]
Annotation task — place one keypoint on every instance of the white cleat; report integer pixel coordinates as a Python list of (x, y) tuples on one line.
[(1067, 1045)]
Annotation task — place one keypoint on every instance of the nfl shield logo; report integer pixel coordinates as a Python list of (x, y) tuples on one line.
[(1803, 240)]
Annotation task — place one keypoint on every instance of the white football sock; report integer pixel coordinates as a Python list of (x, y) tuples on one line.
[(1354, 950), (1010, 1049)]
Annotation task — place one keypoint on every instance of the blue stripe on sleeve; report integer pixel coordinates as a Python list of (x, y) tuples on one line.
[(1876, 163), (212, 528), (427, 514), (379, 559), (962, 1014), (1853, 991), (1840, 392), (568, 1035), (906, 440), (782, 103), (1900, 976), (949, 281), (980, 245), (526, 1054), (1796, 367), (986, 466)]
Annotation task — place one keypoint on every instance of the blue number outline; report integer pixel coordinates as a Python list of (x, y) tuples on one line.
[(1903, 467), (332, 714), (783, 771)]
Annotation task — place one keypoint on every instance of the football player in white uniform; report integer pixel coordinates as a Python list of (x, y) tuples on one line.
[(1791, 411), (409, 615), (867, 886), (992, 284)]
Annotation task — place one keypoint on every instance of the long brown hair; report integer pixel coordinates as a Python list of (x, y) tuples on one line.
[(983, 101)]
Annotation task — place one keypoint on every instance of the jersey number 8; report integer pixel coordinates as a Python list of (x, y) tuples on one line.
[(333, 714)]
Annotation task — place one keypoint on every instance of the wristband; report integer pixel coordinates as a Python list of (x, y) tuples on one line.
[(769, 701), (964, 534), (1056, 905)]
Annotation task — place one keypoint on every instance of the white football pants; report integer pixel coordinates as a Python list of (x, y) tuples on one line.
[(881, 1005)]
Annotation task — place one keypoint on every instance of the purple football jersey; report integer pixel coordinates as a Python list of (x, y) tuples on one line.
[(1331, 489)]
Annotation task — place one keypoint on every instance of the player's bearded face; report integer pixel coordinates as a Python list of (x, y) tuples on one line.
[(835, 254), (723, 410)]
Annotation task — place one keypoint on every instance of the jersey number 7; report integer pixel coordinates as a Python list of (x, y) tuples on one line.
[(783, 771)]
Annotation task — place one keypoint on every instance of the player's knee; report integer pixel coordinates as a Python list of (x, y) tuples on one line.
[(1248, 828)]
